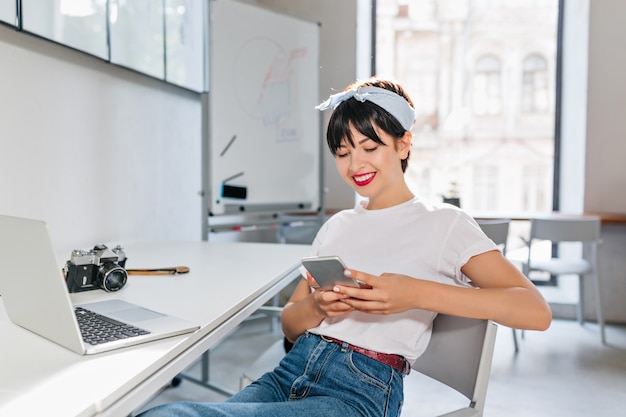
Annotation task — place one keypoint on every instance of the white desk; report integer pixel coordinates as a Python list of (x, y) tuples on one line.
[(227, 283)]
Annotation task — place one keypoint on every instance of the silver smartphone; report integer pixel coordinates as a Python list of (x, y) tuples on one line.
[(328, 271)]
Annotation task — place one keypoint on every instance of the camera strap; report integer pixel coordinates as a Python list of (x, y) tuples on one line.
[(172, 270)]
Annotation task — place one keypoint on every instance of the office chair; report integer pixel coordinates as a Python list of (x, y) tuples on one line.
[(585, 230), (459, 355), (498, 231)]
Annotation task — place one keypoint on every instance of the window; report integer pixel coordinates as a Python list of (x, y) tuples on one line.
[(482, 77), (535, 94), (486, 91), (421, 73), (485, 187), (535, 182)]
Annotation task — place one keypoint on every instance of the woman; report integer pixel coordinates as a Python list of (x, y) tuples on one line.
[(354, 345)]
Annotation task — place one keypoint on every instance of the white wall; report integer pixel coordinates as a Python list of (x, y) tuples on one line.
[(107, 155), (103, 154), (605, 173)]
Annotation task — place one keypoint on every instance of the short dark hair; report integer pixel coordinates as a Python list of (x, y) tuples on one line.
[(363, 116)]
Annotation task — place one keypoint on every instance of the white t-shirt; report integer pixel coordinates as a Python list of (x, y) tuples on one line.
[(415, 238)]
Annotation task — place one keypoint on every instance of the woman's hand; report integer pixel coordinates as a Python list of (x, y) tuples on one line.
[(328, 303), (499, 292), (384, 294)]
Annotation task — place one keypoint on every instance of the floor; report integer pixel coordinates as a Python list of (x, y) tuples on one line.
[(564, 371)]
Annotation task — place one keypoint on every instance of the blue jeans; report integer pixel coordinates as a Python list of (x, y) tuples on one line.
[(316, 378)]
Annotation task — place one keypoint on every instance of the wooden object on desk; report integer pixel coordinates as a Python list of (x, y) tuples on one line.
[(169, 270), (610, 218)]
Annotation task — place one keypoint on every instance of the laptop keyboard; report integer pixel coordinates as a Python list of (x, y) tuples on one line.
[(97, 329)]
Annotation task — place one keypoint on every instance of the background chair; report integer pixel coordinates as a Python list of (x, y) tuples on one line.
[(585, 230), (498, 231), (459, 355)]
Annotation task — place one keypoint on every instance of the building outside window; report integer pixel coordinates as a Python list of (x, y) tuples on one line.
[(482, 76)]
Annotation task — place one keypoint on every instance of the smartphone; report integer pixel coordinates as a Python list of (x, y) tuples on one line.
[(328, 271)]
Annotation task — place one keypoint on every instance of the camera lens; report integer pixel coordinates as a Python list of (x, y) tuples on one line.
[(111, 277)]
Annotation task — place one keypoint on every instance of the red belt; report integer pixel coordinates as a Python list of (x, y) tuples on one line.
[(395, 361)]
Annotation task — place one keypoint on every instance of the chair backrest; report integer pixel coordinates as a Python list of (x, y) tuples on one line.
[(581, 229), (497, 230), (459, 355), (565, 229)]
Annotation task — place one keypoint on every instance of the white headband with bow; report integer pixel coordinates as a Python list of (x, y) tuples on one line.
[(396, 105)]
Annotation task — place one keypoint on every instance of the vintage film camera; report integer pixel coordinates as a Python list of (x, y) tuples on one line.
[(99, 267)]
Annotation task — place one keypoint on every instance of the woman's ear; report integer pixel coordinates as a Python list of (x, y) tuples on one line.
[(404, 144)]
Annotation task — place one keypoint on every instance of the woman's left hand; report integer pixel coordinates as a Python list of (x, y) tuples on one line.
[(386, 294)]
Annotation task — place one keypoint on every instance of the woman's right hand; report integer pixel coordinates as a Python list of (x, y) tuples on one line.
[(327, 303), (308, 306)]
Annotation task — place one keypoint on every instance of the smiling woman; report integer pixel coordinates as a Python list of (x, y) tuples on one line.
[(353, 345), (376, 146)]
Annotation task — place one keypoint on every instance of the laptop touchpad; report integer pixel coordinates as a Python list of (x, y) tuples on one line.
[(135, 314)]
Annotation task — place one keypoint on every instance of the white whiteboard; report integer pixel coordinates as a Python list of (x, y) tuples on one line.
[(264, 131)]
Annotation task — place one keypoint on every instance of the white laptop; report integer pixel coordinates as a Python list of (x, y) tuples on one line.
[(36, 297)]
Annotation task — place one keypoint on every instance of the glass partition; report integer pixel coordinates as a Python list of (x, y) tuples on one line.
[(184, 43), (8, 12), (80, 24), (136, 35), (166, 39)]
